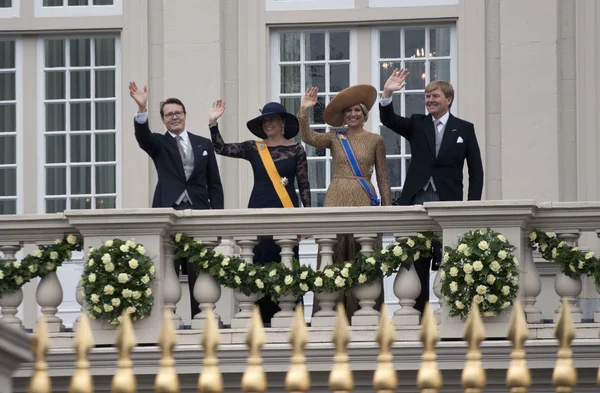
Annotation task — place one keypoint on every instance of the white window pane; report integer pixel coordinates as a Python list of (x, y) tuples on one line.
[(394, 166), (315, 114), (439, 41), (415, 104), (290, 79), (7, 86), (103, 2), (56, 181), (53, 3), (289, 46), (315, 76), (393, 141), (105, 83), (56, 117), (8, 181), (440, 70), (79, 52), (55, 85), (317, 173), (81, 180), (54, 53), (106, 179), (105, 115), (8, 118), (80, 84), (81, 148), (105, 147), (389, 44), (317, 198), (8, 149), (291, 104), (78, 2), (414, 43), (106, 203), (81, 203), (416, 78), (385, 70), (7, 54), (56, 149), (55, 205), (339, 45), (104, 52), (339, 77), (314, 46), (312, 151), (81, 113), (8, 207)]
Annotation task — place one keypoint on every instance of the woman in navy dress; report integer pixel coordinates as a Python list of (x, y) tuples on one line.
[(275, 127)]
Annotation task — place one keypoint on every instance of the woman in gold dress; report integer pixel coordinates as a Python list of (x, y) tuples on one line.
[(351, 184)]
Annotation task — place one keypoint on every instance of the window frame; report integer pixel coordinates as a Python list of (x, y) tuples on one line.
[(275, 84), (65, 10), (41, 124), (19, 125), (13, 11), (374, 121)]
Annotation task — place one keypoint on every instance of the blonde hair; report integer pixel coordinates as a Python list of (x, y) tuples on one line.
[(444, 86), (363, 109)]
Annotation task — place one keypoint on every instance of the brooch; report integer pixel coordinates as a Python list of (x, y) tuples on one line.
[(261, 146), (284, 181)]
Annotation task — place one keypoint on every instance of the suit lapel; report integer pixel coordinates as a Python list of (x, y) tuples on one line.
[(449, 135), (430, 133), (171, 144)]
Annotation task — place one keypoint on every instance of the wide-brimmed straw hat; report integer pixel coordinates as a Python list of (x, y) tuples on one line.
[(357, 94), (290, 128)]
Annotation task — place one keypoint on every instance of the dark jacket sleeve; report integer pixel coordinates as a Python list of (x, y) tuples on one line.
[(475, 168), (400, 125), (146, 139), (213, 180)]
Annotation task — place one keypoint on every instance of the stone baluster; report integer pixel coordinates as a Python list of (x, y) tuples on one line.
[(243, 318), (10, 302), (49, 295), (407, 288), (80, 298), (368, 293), (566, 287), (285, 317), (597, 313), (207, 292), (325, 316), (531, 283), (172, 287)]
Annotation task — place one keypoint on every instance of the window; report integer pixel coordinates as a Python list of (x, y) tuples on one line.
[(429, 54), (320, 59), (78, 7), (79, 91), (9, 8), (9, 127)]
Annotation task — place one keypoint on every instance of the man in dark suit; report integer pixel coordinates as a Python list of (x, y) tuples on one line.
[(188, 175), (440, 143)]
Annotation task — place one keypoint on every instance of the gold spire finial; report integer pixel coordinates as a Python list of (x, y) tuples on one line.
[(429, 377), (564, 376), (340, 378), (40, 381), (297, 379), (473, 375), (124, 379), (254, 379), (210, 380), (167, 380), (81, 381), (518, 376), (385, 379)]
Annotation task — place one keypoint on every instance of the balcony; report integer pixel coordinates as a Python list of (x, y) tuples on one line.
[(235, 232)]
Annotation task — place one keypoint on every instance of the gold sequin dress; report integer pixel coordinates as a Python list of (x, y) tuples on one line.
[(345, 190)]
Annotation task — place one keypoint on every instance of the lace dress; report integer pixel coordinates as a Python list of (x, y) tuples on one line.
[(345, 190), (291, 163)]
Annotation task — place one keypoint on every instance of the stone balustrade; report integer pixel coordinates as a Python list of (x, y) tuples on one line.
[(241, 229)]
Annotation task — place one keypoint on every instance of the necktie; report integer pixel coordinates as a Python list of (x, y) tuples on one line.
[(181, 146)]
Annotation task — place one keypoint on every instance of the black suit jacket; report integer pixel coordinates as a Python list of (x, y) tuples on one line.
[(447, 167), (204, 185)]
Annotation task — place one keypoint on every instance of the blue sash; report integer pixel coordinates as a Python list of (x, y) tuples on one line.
[(347, 148)]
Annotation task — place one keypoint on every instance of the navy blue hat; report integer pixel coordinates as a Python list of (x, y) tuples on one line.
[(290, 128)]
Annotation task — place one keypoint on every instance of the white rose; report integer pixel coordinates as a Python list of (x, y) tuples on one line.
[(489, 314), (221, 273), (288, 280), (492, 298), (491, 279), (95, 298), (589, 255), (241, 267), (237, 280), (495, 266), (145, 279), (410, 242), (502, 238), (443, 275), (106, 258), (1, 275), (468, 268), (384, 251), (339, 281), (303, 275), (481, 289), (152, 269), (478, 299), (505, 304), (71, 239), (33, 268), (385, 267), (459, 304), (109, 267), (136, 295), (453, 286), (515, 261), (124, 248), (362, 279), (123, 278), (404, 257), (344, 272), (483, 245), (505, 290), (469, 279), (428, 243), (37, 253), (19, 280), (225, 261), (318, 282), (203, 252), (303, 287), (581, 264), (91, 262), (58, 241), (148, 292), (252, 273), (462, 247), (272, 273), (133, 263), (532, 236), (259, 283), (477, 266), (370, 260), (277, 288), (127, 293), (140, 250), (177, 237), (130, 309), (514, 281), (109, 289), (417, 255), (108, 243), (562, 244), (92, 277), (115, 301), (397, 251), (453, 271), (551, 235), (328, 273), (130, 244), (91, 251), (107, 307), (543, 247), (420, 235), (16, 265), (97, 309), (446, 257), (575, 249), (502, 254)]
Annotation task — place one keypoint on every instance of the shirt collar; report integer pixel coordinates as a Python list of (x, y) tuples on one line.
[(443, 119), (184, 135)]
